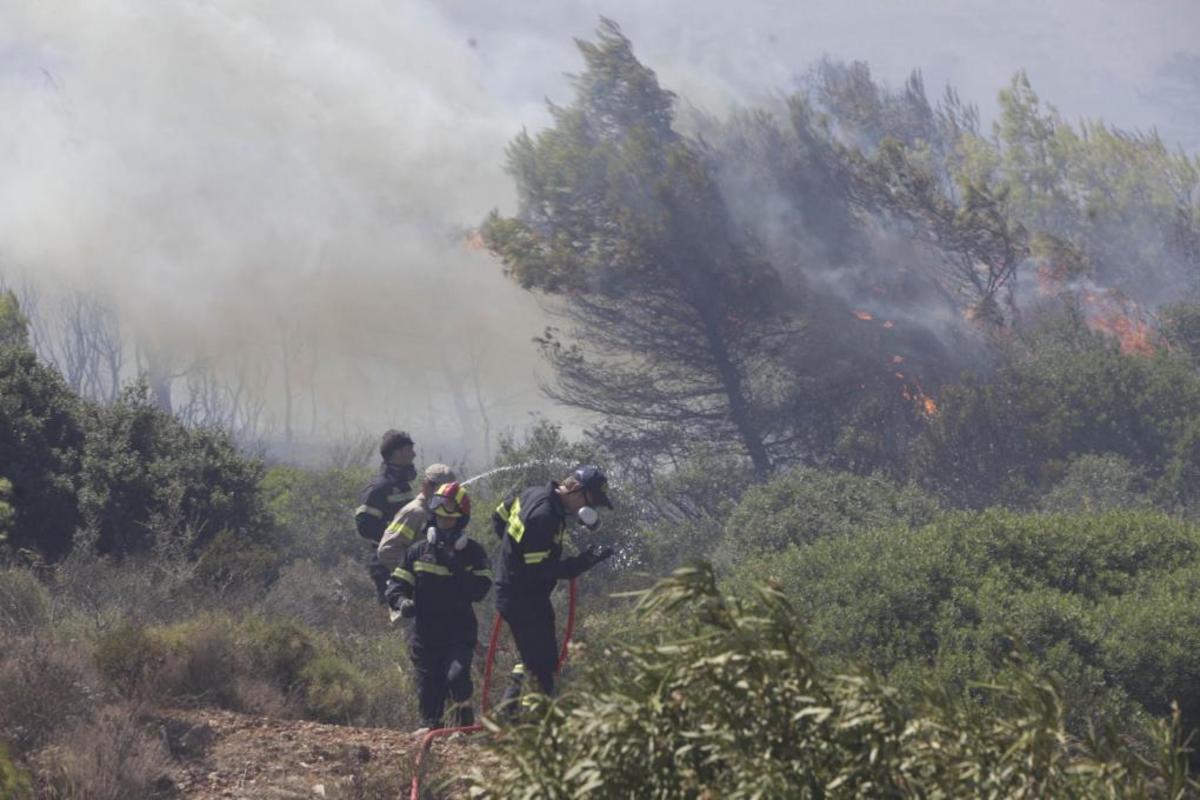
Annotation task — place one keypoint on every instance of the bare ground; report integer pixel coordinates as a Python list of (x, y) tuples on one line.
[(222, 754)]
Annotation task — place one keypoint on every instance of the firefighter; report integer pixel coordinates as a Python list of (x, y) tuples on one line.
[(410, 520), (443, 574), (531, 526), (386, 494)]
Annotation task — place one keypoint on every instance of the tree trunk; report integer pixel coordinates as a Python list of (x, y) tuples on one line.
[(739, 409)]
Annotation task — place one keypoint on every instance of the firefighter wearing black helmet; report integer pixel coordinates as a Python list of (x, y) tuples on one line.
[(532, 525), (387, 493), (443, 574)]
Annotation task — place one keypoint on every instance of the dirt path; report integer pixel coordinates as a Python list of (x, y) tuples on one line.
[(221, 754)]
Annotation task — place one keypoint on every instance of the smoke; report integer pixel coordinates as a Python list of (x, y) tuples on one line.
[(270, 181)]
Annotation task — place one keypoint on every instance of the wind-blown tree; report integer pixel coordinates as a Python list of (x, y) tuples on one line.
[(676, 320)]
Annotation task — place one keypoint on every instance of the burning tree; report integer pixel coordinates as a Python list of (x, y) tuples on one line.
[(675, 318)]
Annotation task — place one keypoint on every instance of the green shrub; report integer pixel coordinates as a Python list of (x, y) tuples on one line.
[(334, 690), (41, 439), (15, 783), (277, 650), (805, 504), (1086, 595), (147, 477), (715, 696), (310, 511), (231, 562), (131, 660), (7, 515), (1096, 483), (205, 661), (24, 602)]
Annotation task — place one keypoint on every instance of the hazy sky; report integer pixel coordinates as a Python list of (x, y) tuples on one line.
[(232, 172)]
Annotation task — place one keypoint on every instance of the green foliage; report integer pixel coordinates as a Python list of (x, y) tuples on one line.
[(1061, 392), (24, 601), (334, 690), (7, 515), (278, 650), (15, 783), (715, 696), (230, 562), (14, 327), (130, 659), (675, 314), (310, 511), (41, 437), (1094, 483), (146, 478), (947, 602), (806, 504)]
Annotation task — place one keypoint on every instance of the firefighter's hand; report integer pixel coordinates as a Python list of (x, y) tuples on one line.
[(407, 608), (593, 555)]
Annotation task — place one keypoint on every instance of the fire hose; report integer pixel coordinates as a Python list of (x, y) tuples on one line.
[(427, 741)]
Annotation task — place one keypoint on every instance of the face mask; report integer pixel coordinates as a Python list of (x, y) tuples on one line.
[(435, 537), (588, 518)]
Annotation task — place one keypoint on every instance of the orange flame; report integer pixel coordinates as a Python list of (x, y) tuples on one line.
[(863, 315), (897, 359), (474, 241), (1108, 312)]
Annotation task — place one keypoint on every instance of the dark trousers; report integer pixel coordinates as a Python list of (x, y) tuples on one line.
[(443, 671), (537, 642), (379, 574)]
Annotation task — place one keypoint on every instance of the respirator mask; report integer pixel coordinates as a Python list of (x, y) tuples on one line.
[(588, 518), (454, 537)]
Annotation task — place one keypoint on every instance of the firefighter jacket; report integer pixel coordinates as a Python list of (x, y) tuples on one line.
[(386, 494), (531, 526), (402, 531), (444, 583)]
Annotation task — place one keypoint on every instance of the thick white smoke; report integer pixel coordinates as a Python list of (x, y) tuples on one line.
[(265, 180)]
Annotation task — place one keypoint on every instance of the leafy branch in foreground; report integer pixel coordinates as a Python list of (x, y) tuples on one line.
[(716, 697)]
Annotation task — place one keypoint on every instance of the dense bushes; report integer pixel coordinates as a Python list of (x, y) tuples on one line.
[(1107, 601), (726, 702), (804, 505), (41, 443), (252, 665), (1060, 392), (146, 476), (127, 474)]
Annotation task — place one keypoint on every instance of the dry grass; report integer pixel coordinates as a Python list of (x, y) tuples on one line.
[(45, 685), (113, 757)]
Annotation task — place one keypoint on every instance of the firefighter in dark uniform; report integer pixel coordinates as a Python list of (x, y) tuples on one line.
[(386, 494), (443, 574), (531, 526)]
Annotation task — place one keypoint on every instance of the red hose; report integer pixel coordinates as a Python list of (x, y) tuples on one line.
[(427, 741)]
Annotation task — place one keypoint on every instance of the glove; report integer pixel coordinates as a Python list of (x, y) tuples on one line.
[(407, 608), (593, 555)]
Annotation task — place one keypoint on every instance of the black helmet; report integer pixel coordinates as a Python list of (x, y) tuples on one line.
[(592, 479)]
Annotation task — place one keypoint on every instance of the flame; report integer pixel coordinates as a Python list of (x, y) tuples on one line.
[(863, 315), (897, 359), (916, 395), (1108, 312), (889, 324), (474, 241)]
